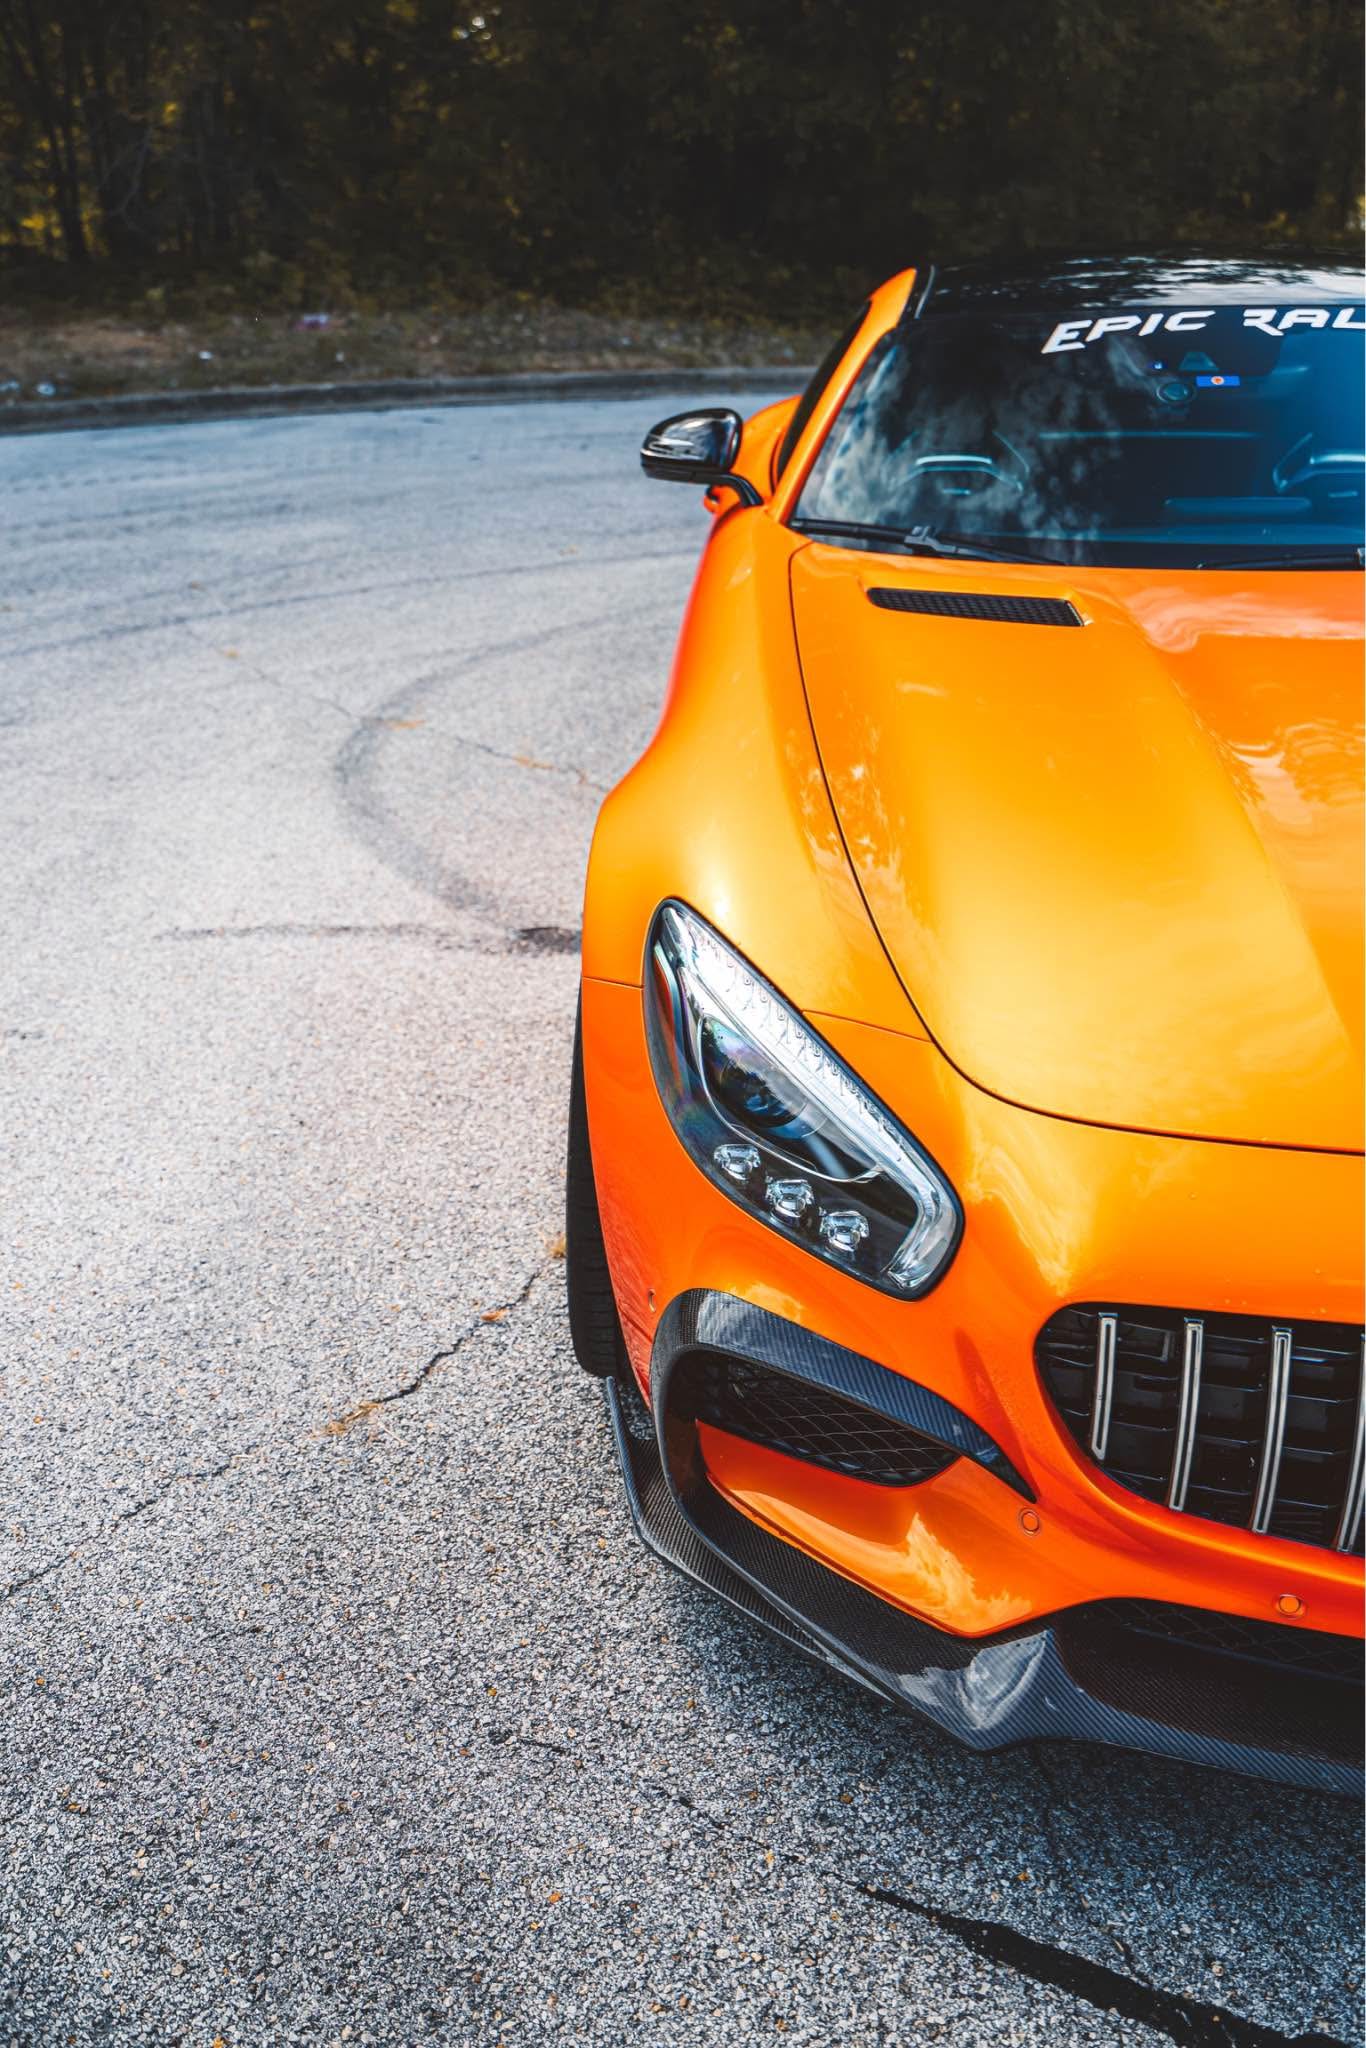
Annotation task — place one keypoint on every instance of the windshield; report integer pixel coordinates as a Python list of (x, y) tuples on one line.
[(1140, 436)]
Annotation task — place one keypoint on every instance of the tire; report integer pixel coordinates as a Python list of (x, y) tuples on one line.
[(594, 1329)]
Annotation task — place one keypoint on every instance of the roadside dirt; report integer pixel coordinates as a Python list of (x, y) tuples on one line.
[(103, 355)]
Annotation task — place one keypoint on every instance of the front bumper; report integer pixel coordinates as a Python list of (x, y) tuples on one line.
[(1054, 1213), (1084, 1673)]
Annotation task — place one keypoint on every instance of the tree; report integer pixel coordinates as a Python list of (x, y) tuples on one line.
[(680, 148)]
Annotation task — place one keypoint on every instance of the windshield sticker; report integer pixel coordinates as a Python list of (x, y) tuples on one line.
[(1272, 320)]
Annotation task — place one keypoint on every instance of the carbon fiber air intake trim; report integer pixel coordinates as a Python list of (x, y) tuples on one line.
[(1069, 1679), (979, 604), (702, 1321)]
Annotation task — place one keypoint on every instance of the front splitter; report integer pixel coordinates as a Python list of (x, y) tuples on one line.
[(989, 1693)]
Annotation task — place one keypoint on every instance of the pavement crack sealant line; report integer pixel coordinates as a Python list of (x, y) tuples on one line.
[(524, 939), (1189, 2022)]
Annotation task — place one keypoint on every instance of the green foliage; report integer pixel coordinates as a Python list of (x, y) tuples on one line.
[(292, 151)]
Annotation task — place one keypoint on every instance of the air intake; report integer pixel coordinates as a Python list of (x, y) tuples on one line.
[(977, 604), (805, 1420)]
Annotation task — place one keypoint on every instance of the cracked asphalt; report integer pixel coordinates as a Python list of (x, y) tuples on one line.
[(337, 1702)]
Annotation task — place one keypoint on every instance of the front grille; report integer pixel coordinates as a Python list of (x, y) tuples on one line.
[(1238, 1419), (804, 1420)]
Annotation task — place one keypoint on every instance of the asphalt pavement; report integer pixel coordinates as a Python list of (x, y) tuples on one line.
[(337, 1701)]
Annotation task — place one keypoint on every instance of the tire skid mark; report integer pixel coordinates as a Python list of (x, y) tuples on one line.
[(344, 593), (355, 771)]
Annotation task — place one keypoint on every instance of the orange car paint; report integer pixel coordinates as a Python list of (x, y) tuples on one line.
[(756, 848), (1090, 1192), (1201, 738)]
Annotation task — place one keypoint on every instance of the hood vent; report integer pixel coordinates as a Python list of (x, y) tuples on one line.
[(973, 604)]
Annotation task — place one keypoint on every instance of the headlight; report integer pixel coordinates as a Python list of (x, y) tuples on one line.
[(778, 1122)]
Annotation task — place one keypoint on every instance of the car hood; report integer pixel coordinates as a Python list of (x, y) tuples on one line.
[(1118, 868)]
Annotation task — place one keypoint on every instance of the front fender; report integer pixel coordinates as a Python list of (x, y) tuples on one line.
[(728, 807)]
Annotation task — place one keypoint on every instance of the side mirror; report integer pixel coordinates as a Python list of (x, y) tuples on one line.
[(698, 448)]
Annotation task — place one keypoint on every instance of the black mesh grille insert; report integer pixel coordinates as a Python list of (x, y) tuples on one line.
[(804, 1420), (1279, 1646), (1218, 1676), (973, 604), (1291, 1468)]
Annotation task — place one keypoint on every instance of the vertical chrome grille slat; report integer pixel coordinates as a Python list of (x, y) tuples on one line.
[(1103, 1394), (1183, 1451), (1349, 1523), (1249, 1421), (1277, 1396)]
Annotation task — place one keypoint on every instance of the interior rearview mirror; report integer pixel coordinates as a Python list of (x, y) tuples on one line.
[(698, 447)]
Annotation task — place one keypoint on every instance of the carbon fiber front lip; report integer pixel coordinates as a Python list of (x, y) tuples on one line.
[(1013, 1688)]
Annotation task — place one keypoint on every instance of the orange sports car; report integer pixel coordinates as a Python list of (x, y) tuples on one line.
[(964, 1185)]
